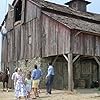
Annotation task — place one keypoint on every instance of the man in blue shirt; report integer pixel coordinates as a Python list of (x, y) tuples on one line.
[(36, 75), (49, 77)]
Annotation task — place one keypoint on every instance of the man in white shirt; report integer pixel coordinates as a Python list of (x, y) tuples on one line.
[(50, 78)]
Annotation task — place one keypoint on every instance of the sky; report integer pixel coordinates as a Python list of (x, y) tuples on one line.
[(93, 7)]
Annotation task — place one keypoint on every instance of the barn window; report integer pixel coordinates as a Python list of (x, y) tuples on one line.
[(29, 39), (17, 10)]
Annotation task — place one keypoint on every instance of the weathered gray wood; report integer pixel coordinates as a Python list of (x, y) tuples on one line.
[(57, 37), (17, 41), (33, 38), (76, 58), (66, 57), (55, 60), (4, 55), (30, 11), (10, 20), (96, 59), (70, 73), (23, 15)]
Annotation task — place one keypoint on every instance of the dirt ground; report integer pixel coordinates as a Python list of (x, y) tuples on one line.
[(79, 94)]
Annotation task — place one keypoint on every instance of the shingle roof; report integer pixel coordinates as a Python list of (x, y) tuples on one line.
[(86, 21), (74, 23), (67, 10)]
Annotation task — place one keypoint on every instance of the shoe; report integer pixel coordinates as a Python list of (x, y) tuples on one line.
[(34, 98), (49, 92)]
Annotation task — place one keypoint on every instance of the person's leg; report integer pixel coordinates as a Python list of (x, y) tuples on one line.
[(7, 86), (48, 85), (37, 94), (51, 82), (25, 97), (34, 93), (39, 87), (3, 85)]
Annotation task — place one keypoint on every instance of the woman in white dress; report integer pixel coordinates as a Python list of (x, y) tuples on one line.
[(14, 76), (20, 88)]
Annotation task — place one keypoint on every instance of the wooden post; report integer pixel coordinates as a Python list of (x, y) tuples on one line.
[(70, 72), (98, 62)]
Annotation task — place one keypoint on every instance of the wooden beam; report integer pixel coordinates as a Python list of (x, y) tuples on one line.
[(65, 57), (96, 59), (78, 33), (55, 60), (70, 72), (76, 58)]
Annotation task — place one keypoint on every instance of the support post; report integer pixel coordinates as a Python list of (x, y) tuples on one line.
[(69, 59), (98, 62), (70, 72)]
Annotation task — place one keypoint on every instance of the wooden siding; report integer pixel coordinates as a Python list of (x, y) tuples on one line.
[(22, 33), (4, 53), (48, 37), (17, 31), (55, 37), (85, 44), (32, 11), (24, 49), (10, 20)]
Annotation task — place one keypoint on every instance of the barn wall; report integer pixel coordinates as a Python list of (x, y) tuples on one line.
[(85, 44), (55, 37), (24, 40)]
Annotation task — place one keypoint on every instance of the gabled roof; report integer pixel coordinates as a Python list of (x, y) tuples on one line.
[(74, 23), (64, 9), (85, 21), (74, 19)]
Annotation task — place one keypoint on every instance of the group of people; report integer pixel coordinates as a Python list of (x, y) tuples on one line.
[(23, 86)]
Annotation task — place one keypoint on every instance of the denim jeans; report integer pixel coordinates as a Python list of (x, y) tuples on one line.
[(49, 83)]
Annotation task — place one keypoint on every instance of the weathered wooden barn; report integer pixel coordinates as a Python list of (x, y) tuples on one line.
[(67, 35)]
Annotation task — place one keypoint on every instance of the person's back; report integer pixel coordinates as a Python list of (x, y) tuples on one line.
[(36, 74), (50, 78)]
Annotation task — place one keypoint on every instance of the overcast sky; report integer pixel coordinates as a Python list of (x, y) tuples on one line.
[(93, 7)]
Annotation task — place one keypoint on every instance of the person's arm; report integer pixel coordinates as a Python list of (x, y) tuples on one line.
[(12, 77), (33, 74), (15, 79), (49, 72)]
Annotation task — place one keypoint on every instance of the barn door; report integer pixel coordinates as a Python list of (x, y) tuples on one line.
[(61, 77), (86, 72), (89, 72)]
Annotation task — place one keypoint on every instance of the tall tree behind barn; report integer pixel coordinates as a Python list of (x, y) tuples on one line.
[(67, 36)]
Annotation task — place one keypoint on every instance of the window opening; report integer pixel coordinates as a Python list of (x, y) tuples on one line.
[(17, 10)]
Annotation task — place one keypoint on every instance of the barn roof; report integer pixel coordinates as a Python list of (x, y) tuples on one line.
[(64, 9), (74, 19), (74, 23), (85, 21)]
